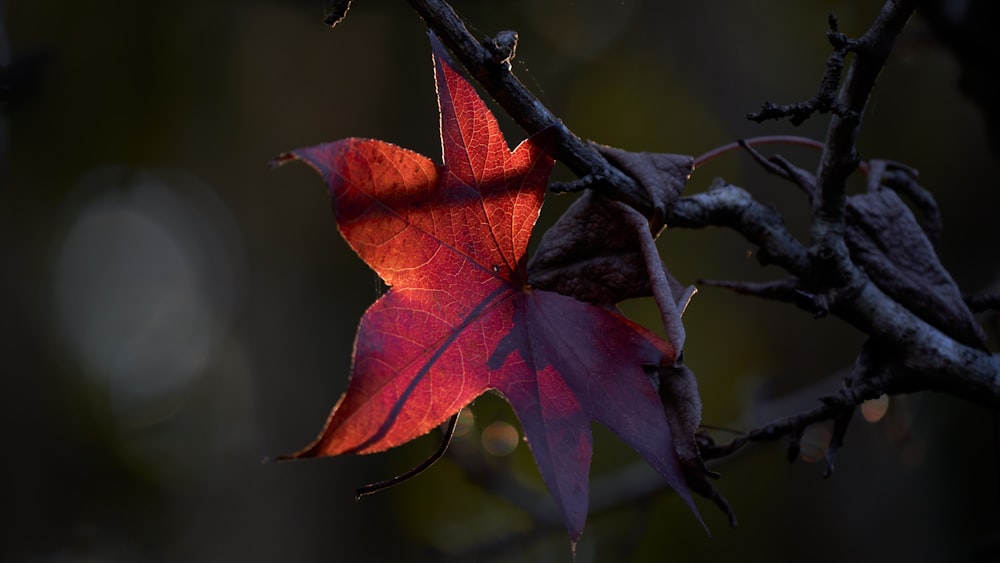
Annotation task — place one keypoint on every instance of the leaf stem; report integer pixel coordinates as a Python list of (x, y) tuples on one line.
[(373, 488), (755, 141)]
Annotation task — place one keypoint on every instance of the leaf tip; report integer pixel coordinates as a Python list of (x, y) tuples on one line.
[(268, 459), (309, 451), (437, 48), (280, 159)]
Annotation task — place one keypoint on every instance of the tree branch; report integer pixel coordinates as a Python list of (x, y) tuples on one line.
[(928, 359), (493, 73), (910, 354), (840, 159)]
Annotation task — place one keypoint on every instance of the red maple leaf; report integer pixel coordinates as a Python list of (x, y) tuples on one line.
[(460, 319)]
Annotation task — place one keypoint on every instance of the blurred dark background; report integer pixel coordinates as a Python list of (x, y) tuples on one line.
[(171, 311)]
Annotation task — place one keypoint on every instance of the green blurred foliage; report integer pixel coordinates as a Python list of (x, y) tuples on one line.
[(174, 311)]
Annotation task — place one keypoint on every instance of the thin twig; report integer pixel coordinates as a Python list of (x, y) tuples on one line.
[(824, 100), (776, 290), (830, 408)]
